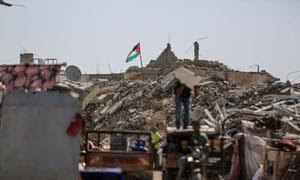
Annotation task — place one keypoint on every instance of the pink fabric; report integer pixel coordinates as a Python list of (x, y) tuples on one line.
[(285, 144), (20, 81), (19, 69), (29, 77), (235, 162), (32, 70), (48, 84)]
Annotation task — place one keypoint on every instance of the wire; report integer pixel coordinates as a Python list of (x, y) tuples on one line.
[(189, 49), (287, 76), (296, 79), (202, 38), (201, 55), (19, 5), (196, 41)]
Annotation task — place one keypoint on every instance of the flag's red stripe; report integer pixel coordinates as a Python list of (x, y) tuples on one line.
[(138, 48)]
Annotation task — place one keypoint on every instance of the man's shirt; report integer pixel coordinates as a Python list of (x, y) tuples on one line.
[(186, 91)]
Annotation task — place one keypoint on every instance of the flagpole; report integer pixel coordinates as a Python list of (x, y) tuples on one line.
[(141, 59)]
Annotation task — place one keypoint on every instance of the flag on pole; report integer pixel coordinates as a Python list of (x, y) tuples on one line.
[(136, 51)]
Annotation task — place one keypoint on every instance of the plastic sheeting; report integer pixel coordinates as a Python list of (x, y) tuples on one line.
[(247, 156), (254, 147)]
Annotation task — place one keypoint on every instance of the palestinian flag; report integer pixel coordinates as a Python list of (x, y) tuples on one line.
[(136, 51)]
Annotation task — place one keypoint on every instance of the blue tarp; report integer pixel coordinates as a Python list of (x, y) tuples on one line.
[(102, 173)]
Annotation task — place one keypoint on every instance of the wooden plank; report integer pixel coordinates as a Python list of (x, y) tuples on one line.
[(285, 90), (296, 105), (297, 111), (209, 123), (282, 97), (249, 112), (284, 112), (290, 123), (219, 110), (270, 106), (211, 118)]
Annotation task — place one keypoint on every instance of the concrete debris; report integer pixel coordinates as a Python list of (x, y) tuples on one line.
[(168, 81), (159, 117), (127, 102), (267, 111), (97, 94), (115, 107)]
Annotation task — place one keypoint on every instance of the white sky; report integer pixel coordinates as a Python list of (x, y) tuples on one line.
[(94, 33)]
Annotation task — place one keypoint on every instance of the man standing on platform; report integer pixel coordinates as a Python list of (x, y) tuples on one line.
[(183, 96)]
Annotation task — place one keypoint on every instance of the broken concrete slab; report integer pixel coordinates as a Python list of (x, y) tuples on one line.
[(96, 91), (101, 98), (168, 82), (187, 77), (106, 108), (115, 107)]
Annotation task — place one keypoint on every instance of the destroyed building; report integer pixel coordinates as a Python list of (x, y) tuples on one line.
[(168, 62), (166, 59)]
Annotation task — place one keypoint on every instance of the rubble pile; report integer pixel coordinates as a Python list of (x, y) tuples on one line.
[(270, 125), (137, 105), (247, 116), (226, 94), (131, 106), (205, 64), (274, 111)]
